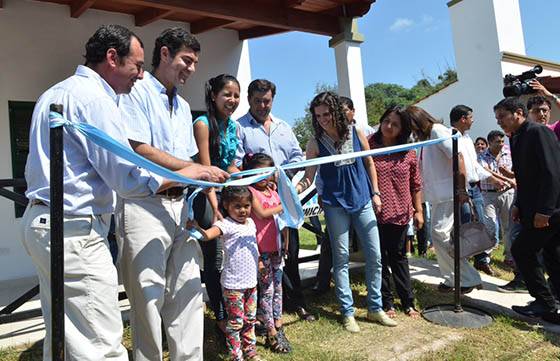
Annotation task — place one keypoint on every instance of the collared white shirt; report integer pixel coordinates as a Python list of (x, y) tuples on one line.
[(475, 172), (280, 143), (91, 173), (152, 120)]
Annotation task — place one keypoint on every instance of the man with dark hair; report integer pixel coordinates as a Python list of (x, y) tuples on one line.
[(160, 262), (461, 117), (261, 132), (537, 171), (348, 108), (497, 202), (540, 107), (114, 61)]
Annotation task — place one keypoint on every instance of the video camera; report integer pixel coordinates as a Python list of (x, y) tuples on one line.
[(515, 85)]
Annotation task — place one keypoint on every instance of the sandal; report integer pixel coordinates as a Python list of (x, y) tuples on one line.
[(254, 358), (275, 345), (412, 312), (283, 339), (390, 312)]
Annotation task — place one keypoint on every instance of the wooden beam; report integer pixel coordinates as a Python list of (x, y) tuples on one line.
[(258, 31), (293, 3), (275, 15), (150, 15), (208, 24), (78, 7)]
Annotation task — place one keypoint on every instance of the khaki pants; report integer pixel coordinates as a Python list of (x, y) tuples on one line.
[(93, 325), (161, 275), (497, 206), (442, 226)]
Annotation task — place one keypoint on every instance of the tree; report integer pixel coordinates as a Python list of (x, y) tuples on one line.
[(380, 96), (302, 126)]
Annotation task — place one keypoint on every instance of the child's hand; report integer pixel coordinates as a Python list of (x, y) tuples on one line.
[(261, 266), (191, 223)]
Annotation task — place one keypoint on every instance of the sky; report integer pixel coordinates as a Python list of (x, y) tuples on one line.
[(405, 41)]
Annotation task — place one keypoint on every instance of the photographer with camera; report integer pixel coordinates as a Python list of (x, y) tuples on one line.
[(540, 106)]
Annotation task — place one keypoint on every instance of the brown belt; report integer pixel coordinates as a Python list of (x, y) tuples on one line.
[(174, 192), (38, 202)]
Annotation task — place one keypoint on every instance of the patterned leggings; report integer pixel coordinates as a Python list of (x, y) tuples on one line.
[(241, 308), (270, 289)]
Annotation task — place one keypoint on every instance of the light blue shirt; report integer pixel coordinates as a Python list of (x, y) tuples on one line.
[(91, 173), (152, 120), (280, 143)]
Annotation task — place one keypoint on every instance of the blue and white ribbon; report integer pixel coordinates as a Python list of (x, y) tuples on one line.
[(292, 215)]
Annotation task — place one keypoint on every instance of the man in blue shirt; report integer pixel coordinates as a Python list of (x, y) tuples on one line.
[(114, 61), (160, 263), (261, 132)]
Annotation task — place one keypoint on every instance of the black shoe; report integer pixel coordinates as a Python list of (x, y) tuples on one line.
[(304, 315), (533, 309), (319, 290), (552, 316), (465, 290), (485, 267), (443, 288), (514, 286)]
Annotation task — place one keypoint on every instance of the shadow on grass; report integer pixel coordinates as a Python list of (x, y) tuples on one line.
[(33, 353)]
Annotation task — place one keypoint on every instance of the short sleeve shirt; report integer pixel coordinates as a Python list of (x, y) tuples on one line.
[(241, 254), (228, 141)]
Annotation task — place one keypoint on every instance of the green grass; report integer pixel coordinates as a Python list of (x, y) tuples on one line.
[(325, 340), (307, 239)]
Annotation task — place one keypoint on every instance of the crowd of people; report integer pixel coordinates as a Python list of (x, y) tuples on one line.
[(248, 264)]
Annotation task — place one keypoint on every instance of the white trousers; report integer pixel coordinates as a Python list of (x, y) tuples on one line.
[(161, 275), (93, 325), (442, 226)]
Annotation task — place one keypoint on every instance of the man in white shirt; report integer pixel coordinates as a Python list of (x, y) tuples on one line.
[(93, 325), (461, 117), (159, 262)]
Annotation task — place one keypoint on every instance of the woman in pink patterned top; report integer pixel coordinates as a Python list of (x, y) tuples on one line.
[(400, 187)]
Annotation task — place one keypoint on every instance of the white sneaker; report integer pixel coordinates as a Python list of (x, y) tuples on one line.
[(350, 324), (381, 318)]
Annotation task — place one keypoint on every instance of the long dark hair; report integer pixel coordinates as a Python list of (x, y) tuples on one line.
[(421, 122), (213, 87), (404, 135), (332, 101)]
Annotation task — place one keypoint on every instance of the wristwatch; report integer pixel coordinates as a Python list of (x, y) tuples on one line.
[(376, 193)]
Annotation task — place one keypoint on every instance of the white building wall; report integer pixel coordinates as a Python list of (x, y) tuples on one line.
[(482, 31), (41, 45)]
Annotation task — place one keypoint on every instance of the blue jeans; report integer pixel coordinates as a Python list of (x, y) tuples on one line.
[(339, 224)]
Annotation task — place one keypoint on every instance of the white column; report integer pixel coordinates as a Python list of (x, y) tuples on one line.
[(349, 72), (243, 75)]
